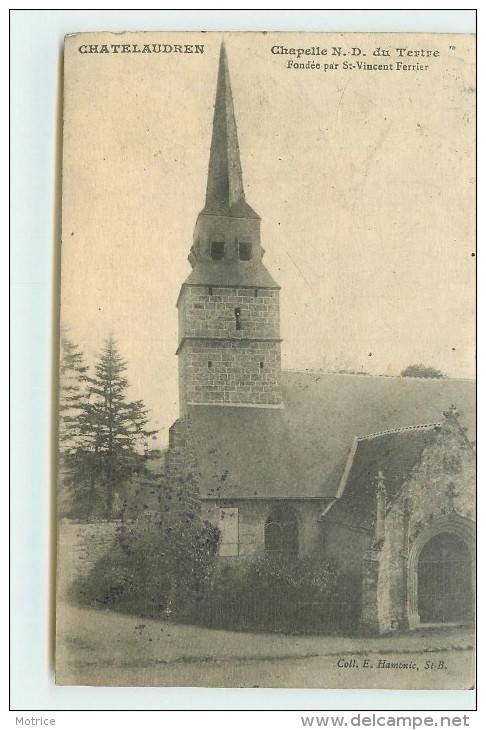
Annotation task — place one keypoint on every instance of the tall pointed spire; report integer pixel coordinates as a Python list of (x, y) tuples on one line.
[(225, 194)]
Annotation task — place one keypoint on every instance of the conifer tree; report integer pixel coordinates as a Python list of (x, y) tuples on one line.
[(115, 426), (112, 445), (73, 381), (72, 394)]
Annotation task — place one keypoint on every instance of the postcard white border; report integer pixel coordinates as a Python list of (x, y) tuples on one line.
[(36, 43)]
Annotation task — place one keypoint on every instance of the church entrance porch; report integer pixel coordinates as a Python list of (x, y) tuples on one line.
[(444, 581), (441, 572)]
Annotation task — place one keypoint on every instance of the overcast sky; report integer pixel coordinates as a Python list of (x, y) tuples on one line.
[(364, 181)]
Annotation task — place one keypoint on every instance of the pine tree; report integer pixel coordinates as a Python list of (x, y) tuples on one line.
[(103, 435), (72, 401), (114, 430), (72, 394)]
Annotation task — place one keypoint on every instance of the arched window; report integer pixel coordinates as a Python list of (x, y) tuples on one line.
[(282, 534)]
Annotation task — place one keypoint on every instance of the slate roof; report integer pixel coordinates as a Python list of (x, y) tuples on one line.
[(231, 273), (225, 193), (394, 454), (301, 451)]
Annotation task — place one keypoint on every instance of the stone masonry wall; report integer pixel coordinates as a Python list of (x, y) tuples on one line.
[(224, 364), (181, 461), (213, 315), (230, 372), (449, 461), (395, 559), (375, 596), (80, 545), (346, 545)]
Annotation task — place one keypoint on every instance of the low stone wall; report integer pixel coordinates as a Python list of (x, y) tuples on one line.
[(80, 545)]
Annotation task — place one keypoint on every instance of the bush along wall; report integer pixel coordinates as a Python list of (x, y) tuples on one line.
[(170, 571), (302, 596), (153, 569)]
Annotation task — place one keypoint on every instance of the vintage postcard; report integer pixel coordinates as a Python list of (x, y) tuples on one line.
[(267, 395)]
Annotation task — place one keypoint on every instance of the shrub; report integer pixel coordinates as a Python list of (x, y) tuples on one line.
[(306, 579), (307, 594), (155, 568), (421, 371)]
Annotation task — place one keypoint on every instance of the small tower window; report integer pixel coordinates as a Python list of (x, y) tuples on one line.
[(210, 363), (244, 251), (238, 318), (210, 291), (261, 364), (255, 293), (217, 250)]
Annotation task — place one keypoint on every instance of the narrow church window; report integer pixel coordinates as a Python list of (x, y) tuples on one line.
[(261, 364), (210, 291), (210, 363), (282, 534), (255, 293), (244, 251), (238, 318), (217, 250)]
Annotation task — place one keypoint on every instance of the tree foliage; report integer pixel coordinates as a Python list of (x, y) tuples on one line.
[(162, 566), (162, 562), (106, 445), (73, 381), (309, 578), (310, 593), (421, 371)]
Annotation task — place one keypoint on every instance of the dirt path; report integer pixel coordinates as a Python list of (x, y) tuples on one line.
[(105, 648), (311, 672)]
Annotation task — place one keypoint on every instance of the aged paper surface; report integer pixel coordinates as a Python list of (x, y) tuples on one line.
[(272, 483)]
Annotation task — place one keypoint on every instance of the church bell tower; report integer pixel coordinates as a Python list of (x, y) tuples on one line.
[(229, 323)]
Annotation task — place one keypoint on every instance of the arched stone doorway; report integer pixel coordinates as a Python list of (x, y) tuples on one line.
[(444, 580), (441, 573)]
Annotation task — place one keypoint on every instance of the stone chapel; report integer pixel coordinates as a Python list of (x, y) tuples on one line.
[(377, 472)]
